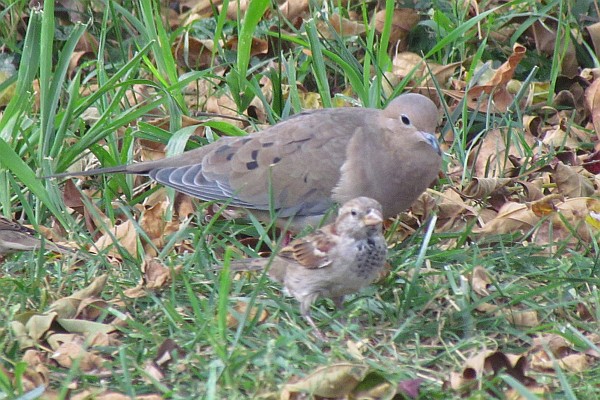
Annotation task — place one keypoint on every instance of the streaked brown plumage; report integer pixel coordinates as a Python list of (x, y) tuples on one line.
[(337, 260), (16, 237)]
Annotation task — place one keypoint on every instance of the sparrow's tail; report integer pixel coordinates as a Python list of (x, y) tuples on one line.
[(247, 264)]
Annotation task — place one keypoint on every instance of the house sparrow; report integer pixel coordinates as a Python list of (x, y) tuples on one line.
[(334, 261), (303, 165), (16, 237)]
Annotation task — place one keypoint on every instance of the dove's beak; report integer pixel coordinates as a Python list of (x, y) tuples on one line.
[(432, 141), (373, 217)]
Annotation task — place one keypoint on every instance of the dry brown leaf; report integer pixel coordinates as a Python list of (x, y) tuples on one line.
[(480, 188), (292, 9), (126, 236), (141, 94), (497, 86), (488, 362), (592, 100), (335, 381), (240, 310), (38, 325), (91, 308), (557, 344), (532, 190), (512, 217), (197, 10), (572, 181), (525, 319), (257, 47), (403, 21), (450, 205), (84, 327), (67, 307), (135, 292), (74, 351), (593, 213), (544, 35), (37, 373), (156, 276), (153, 371), (572, 216), (236, 8), (341, 27), (492, 156), (411, 64), (480, 281), (100, 394), (184, 205), (559, 138), (533, 125), (545, 206), (193, 53), (577, 363), (223, 105), (594, 31)]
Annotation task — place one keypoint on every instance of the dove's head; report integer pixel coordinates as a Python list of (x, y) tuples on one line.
[(414, 112), (420, 110)]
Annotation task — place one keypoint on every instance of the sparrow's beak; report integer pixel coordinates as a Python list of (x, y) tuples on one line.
[(373, 217)]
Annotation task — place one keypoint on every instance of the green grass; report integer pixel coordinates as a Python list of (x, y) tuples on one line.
[(421, 321)]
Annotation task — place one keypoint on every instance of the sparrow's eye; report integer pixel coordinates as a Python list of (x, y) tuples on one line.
[(405, 120)]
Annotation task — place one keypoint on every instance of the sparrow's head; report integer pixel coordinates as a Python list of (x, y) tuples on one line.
[(359, 217)]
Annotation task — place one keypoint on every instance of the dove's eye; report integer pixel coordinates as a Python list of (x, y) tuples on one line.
[(405, 120), (354, 213)]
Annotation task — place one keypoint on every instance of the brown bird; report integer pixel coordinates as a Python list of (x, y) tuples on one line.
[(339, 259), (16, 237), (304, 164)]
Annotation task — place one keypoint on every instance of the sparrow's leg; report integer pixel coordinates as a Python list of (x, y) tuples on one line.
[(305, 311), (339, 302)]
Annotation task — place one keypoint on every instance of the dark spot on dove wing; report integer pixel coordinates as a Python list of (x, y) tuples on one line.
[(276, 160), (267, 144), (253, 164), (223, 149)]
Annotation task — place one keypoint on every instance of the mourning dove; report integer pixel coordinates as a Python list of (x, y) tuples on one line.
[(304, 164), (339, 259), (16, 237)]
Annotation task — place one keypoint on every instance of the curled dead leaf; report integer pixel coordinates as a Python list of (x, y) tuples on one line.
[(480, 281), (480, 188), (497, 85), (68, 307), (489, 362)]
